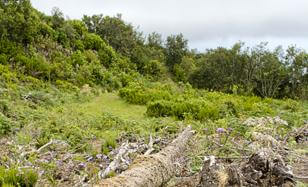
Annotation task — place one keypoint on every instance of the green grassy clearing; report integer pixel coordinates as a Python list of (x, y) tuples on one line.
[(113, 104)]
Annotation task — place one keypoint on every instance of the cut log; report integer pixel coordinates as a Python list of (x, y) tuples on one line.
[(153, 170)]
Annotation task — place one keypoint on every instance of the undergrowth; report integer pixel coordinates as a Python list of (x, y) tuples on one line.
[(184, 102), (94, 122)]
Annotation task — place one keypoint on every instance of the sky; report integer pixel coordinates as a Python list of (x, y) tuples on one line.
[(205, 23)]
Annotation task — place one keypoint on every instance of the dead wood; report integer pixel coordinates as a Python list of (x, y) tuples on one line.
[(153, 170), (264, 168), (121, 160)]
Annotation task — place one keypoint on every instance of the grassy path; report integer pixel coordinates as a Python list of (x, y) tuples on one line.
[(111, 103)]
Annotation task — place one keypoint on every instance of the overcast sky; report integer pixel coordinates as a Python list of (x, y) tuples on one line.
[(205, 23)]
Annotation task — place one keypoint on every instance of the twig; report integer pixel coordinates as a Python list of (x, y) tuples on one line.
[(296, 133), (300, 177), (151, 149), (120, 159), (51, 142), (46, 145)]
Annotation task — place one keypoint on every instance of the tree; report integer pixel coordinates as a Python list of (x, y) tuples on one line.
[(154, 40), (184, 70), (121, 36), (57, 18), (221, 69), (176, 49), (296, 61), (93, 22), (270, 72), (18, 21), (153, 170)]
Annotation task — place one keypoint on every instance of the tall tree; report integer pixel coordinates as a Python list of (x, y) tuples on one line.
[(296, 61), (18, 21), (121, 36), (155, 40), (176, 49), (221, 69), (270, 72)]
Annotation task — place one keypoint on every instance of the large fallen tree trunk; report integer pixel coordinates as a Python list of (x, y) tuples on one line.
[(153, 170)]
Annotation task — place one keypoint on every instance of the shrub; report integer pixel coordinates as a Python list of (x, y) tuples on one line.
[(5, 125), (93, 41), (66, 85), (3, 59), (198, 109), (14, 177), (4, 107), (109, 141), (292, 105), (155, 69), (160, 109), (39, 98), (140, 94)]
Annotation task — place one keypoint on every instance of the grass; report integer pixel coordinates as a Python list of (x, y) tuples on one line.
[(113, 104), (96, 124), (103, 118)]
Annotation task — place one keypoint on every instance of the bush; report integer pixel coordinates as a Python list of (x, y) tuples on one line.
[(39, 98), (182, 101), (3, 59), (64, 85), (4, 107), (109, 142), (14, 177), (141, 94), (155, 69), (160, 109), (198, 109), (94, 42), (5, 125)]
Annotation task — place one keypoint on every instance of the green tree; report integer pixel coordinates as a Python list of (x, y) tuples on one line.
[(221, 69), (176, 49), (121, 36), (183, 71), (57, 18), (18, 21), (154, 40), (270, 72), (296, 61)]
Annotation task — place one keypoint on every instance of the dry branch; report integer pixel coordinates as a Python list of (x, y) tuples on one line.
[(151, 149), (153, 170), (121, 159), (263, 168)]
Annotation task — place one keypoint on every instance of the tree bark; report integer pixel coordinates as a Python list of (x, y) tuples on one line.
[(152, 170)]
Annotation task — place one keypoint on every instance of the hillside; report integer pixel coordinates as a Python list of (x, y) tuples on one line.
[(74, 93)]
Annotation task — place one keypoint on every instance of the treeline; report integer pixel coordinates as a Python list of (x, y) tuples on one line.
[(106, 51), (256, 70)]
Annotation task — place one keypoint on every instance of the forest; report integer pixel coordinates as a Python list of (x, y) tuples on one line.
[(92, 84)]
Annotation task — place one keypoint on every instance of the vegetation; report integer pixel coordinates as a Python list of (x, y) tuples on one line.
[(92, 84), (106, 51), (184, 102)]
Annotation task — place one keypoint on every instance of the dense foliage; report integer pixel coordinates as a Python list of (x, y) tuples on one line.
[(54, 50), (256, 71), (55, 74), (106, 51), (184, 102)]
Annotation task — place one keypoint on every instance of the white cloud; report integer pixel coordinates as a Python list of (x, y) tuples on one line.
[(203, 22)]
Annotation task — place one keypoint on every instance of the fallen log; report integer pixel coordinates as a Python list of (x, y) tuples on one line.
[(153, 170)]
